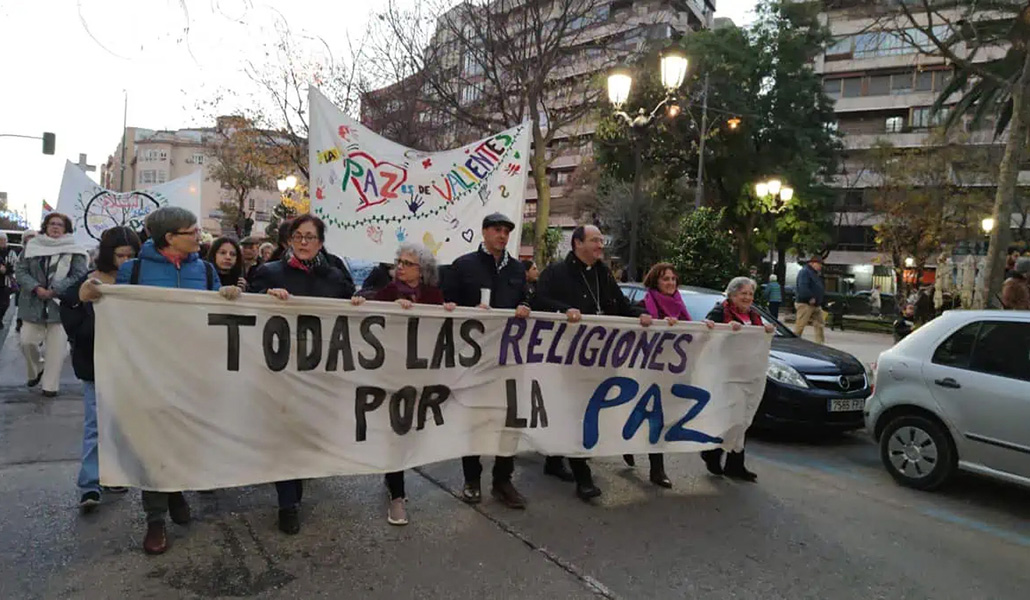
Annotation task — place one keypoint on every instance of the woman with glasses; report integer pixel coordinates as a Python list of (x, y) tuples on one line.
[(416, 281), (303, 270)]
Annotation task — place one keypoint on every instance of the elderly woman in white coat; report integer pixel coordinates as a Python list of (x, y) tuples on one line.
[(50, 263)]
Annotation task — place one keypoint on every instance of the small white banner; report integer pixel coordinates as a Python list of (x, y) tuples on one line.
[(203, 393), (375, 194), (94, 209)]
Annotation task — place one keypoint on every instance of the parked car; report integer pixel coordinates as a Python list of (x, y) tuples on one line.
[(809, 386), (955, 394)]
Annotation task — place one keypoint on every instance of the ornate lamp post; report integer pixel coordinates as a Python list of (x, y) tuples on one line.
[(776, 197), (673, 70)]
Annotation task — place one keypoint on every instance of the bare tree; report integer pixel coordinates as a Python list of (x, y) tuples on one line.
[(970, 35), (487, 65)]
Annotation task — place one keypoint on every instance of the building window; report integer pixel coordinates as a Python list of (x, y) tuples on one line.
[(921, 118), (924, 81), (148, 176), (470, 94), (879, 85), (162, 177), (561, 177), (895, 124), (901, 83), (197, 159), (852, 87), (250, 204), (831, 87)]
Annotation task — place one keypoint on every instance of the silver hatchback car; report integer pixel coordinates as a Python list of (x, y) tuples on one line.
[(955, 394)]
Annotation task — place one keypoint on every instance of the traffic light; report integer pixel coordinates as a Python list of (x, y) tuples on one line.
[(48, 143)]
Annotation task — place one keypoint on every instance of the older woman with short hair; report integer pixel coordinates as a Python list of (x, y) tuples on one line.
[(416, 281), (49, 265), (737, 310)]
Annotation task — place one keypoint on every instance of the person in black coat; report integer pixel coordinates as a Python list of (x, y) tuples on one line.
[(303, 270), (582, 285), (489, 278), (117, 245)]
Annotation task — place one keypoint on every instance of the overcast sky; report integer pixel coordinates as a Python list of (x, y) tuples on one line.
[(66, 63)]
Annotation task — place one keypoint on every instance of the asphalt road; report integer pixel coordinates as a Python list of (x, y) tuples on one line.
[(824, 521)]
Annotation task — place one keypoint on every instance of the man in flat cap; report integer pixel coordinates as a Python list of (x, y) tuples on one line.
[(490, 278), (810, 295)]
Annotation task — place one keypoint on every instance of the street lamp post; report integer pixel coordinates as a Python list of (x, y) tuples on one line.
[(777, 197), (673, 70)]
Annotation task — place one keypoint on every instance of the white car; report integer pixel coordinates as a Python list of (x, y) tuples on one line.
[(955, 394)]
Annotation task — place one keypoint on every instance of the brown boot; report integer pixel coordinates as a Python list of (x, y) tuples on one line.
[(508, 495), (156, 540)]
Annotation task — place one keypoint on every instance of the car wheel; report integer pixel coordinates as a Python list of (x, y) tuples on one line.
[(918, 452)]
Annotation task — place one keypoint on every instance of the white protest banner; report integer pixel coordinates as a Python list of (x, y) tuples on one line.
[(374, 194), (202, 392), (93, 209)]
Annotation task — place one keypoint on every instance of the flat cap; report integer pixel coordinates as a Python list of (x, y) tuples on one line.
[(498, 219)]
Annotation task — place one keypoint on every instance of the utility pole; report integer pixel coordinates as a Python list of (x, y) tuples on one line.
[(125, 120), (699, 190)]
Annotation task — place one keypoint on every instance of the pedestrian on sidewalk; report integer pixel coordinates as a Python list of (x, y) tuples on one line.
[(663, 301), (7, 261), (416, 282), (774, 295), (1015, 292), (738, 310), (51, 263), (490, 278), (905, 323), (117, 246), (304, 269), (810, 296), (875, 302), (583, 285), (169, 259)]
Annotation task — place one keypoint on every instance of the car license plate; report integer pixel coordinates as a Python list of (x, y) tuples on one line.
[(846, 405)]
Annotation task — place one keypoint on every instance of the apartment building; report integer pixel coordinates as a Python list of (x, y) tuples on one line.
[(153, 157), (615, 32), (884, 89)]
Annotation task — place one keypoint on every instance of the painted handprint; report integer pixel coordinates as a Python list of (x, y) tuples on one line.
[(375, 233), (415, 203), (448, 218), (401, 234)]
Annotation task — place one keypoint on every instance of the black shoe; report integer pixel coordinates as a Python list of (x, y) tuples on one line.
[(289, 520), (49, 394), (660, 479), (113, 489), (735, 468), (713, 460), (556, 468), (179, 509), (587, 491), (89, 502), (506, 493), (472, 493), (629, 459), (34, 382)]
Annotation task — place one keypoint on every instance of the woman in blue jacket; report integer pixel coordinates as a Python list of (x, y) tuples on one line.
[(168, 259)]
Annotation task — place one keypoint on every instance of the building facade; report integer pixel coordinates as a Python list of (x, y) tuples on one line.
[(884, 88), (613, 33), (153, 157)]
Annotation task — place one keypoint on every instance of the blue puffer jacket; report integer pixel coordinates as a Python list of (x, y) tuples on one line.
[(158, 271)]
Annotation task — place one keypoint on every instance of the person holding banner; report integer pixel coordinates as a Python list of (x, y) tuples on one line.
[(168, 259), (415, 282), (738, 310), (663, 301), (303, 270), (50, 264), (117, 246), (490, 278), (226, 256), (583, 285)]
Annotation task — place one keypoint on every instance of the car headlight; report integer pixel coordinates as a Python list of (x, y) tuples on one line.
[(784, 373)]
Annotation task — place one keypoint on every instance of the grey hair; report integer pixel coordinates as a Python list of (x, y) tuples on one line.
[(165, 220), (737, 283), (428, 274), (268, 245), (1022, 266), (3, 236)]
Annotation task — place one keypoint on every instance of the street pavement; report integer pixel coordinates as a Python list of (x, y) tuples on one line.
[(824, 521)]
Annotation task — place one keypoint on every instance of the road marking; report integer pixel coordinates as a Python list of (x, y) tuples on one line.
[(976, 525)]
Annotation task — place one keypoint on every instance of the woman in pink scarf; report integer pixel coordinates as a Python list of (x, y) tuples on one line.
[(663, 301)]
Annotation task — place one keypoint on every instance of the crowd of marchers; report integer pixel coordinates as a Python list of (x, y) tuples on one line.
[(59, 281)]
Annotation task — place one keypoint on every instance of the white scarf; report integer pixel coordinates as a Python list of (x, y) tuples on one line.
[(63, 247)]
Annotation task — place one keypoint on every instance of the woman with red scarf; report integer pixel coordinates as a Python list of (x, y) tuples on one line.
[(663, 301), (303, 270), (416, 281), (738, 311)]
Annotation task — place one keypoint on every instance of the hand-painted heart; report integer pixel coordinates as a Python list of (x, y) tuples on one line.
[(467, 235)]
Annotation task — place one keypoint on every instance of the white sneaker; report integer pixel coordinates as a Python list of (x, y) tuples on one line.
[(397, 515)]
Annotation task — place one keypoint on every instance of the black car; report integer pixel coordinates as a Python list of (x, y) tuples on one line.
[(809, 385)]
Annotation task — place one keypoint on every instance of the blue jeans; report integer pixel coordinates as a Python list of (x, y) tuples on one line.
[(89, 473)]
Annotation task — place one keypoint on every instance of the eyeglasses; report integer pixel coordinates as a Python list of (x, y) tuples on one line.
[(304, 239), (193, 232), (405, 263)]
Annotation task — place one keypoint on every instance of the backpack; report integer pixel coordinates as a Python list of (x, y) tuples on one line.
[(209, 271)]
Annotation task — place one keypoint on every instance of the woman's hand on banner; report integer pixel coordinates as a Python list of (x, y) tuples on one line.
[(645, 320), (90, 290), (574, 315), (279, 294), (671, 320), (735, 326), (449, 306), (242, 283), (404, 303), (522, 311), (769, 328), (229, 292), (709, 323), (357, 300)]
